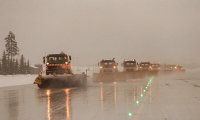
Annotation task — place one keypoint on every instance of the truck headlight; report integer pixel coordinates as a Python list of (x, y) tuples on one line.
[(114, 67), (100, 66), (66, 63), (47, 63)]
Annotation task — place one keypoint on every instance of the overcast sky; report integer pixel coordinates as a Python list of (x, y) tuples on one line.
[(166, 31)]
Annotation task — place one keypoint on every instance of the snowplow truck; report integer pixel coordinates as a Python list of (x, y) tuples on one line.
[(130, 69), (108, 72), (155, 66), (147, 69), (59, 73), (179, 68), (129, 66)]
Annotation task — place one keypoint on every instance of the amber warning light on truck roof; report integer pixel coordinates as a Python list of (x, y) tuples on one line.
[(62, 52)]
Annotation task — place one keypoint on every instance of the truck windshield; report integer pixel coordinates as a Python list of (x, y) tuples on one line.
[(57, 60), (155, 65), (107, 64), (130, 64), (144, 64)]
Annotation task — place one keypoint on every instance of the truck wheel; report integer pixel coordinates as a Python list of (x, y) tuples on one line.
[(44, 84)]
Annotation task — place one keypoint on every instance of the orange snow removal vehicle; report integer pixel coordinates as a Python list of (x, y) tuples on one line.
[(59, 73)]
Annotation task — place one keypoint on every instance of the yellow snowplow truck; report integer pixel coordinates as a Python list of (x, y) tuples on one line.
[(179, 68), (59, 73), (108, 72), (147, 69), (155, 66), (129, 66), (130, 70)]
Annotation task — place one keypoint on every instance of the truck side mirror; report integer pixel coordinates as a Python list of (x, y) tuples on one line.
[(44, 60), (137, 63), (117, 64), (98, 64), (70, 57)]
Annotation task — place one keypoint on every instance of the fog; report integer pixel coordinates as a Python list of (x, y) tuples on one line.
[(165, 31)]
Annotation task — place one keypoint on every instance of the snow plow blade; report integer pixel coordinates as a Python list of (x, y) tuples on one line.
[(122, 76), (152, 73), (135, 75), (140, 74), (109, 77), (68, 80)]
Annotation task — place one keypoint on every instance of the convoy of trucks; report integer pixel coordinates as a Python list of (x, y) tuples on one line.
[(59, 73)]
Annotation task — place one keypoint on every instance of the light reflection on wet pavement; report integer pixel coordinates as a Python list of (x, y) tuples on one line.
[(102, 100)]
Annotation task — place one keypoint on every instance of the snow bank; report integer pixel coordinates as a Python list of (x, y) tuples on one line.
[(12, 80)]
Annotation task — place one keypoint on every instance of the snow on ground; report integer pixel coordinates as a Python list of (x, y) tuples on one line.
[(12, 80)]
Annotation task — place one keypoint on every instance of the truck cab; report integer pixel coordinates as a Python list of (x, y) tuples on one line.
[(108, 66), (155, 66), (129, 66), (145, 66), (57, 63), (170, 67)]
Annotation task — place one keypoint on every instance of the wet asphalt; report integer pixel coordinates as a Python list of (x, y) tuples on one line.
[(124, 100)]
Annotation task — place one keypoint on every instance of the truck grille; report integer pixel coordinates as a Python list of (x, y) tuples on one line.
[(129, 70), (108, 70)]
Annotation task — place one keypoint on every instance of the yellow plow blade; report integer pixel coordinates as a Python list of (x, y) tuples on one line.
[(103, 77)]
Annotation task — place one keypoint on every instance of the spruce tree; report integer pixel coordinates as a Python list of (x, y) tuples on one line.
[(16, 67), (0, 68), (28, 67), (11, 48), (22, 66), (14, 70), (4, 63)]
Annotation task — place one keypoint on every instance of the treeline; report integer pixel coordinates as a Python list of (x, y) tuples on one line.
[(8, 64)]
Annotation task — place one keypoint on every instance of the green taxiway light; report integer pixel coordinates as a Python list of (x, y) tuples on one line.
[(141, 95), (144, 90), (130, 114), (137, 102), (146, 87)]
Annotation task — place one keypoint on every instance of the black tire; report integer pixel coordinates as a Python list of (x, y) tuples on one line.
[(44, 84)]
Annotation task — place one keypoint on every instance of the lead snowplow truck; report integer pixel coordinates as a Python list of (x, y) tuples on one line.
[(108, 72), (59, 73)]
